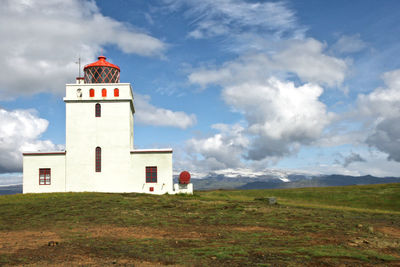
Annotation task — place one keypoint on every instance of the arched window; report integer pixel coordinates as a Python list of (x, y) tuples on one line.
[(98, 110), (116, 92), (91, 92), (98, 159), (104, 92)]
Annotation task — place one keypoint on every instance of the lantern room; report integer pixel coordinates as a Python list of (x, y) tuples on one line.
[(101, 71)]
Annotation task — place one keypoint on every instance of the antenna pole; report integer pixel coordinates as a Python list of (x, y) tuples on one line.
[(79, 63)]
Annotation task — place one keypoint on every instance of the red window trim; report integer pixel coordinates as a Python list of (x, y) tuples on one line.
[(91, 92), (116, 92), (98, 159), (104, 92), (45, 181), (151, 174), (97, 110)]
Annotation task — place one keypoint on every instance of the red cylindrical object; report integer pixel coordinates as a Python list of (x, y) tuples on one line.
[(184, 177)]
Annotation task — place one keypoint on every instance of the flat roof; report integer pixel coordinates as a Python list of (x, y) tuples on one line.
[(154, 150)]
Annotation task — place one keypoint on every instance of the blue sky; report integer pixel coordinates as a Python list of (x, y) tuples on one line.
[(230, 85)]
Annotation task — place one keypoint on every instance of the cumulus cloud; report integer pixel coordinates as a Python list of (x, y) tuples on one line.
[(152, 115), (214, 18), (44, 39), (20, 131), (382, 108), (349, 44), (220, 151), (304, 58), (279, 115)]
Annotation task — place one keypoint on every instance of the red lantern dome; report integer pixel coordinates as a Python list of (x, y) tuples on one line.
[(101, 71), (184, 177)]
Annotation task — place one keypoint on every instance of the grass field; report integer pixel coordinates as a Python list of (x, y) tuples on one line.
[(349, 226)]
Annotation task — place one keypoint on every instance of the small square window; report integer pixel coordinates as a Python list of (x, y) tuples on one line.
[(151, 174), (45, 176)]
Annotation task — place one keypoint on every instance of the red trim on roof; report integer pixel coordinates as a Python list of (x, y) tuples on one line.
[(101, 63), (43, 153)]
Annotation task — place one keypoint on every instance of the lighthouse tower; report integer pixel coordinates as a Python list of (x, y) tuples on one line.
[(99, 130), (99, 151)]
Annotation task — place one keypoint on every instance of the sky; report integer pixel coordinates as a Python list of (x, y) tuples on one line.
[(240, 86)]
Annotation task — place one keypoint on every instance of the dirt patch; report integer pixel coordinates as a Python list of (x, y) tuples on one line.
[(374, 243), (82, 260), (323, 239), (390, 231), (13, 241), (141, 232), (260, 229)]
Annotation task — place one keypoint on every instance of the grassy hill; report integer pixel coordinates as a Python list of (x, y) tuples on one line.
[(355, 225)]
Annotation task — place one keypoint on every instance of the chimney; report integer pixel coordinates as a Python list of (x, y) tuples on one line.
[(80, 80)]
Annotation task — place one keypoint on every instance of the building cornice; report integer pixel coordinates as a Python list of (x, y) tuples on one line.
[(45, 153), (160, 150)]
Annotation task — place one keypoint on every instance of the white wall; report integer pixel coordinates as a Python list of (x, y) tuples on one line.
[(32, 164), (163, 161), (85, 132), (125, 91), (112, 132)]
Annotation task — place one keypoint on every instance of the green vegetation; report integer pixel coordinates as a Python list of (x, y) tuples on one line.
[(385, 197), (356, 225)]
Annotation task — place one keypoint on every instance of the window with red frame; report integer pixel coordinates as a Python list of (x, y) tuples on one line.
[(98, 110), (151, 174), (91, 92), (45, 176), (104, 92), (98, 159), (116, 92)]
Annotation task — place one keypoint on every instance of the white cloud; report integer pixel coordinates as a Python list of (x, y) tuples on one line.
[(149, 114), (381, 109), (279, 115), (349, 44), (220, 151), (382, 102), (20, 131), (305, 58), (44, 38), (213, 18)]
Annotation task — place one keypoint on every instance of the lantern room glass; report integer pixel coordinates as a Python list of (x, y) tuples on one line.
[(101, 74)]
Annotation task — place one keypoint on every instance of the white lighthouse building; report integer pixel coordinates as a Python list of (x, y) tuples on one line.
[(99, 151)]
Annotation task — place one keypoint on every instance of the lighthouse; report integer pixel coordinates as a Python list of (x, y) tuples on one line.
[(100, 155)]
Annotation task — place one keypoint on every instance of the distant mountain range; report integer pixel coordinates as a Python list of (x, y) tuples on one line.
[(10, 189), (271, 180), (220, 181)]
